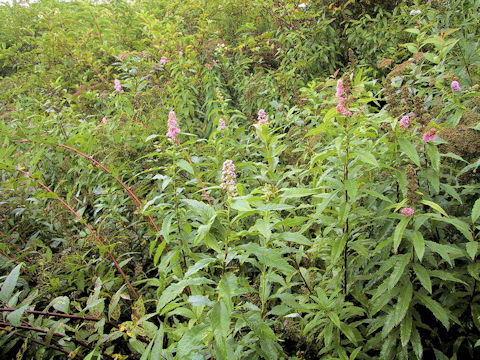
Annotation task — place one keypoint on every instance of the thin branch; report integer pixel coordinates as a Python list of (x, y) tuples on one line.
[(110, 255)]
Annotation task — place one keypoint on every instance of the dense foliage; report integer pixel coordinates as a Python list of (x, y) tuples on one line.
[(240, 179)]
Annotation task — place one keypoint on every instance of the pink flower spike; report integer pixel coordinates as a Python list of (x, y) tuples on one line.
[(405, 122), (228, 178), (163, 60), (340, 89), (118, 85), (408, 211), (430, 135), (173, 128), (455, 86), (222, 124), (262, 118)]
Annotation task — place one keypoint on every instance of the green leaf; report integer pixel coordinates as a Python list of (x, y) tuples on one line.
[(61, 303), (398, 234), (198, 266), (476, 210), (190, 340), (472, 249), (417, 344), (159, 252), (15, 316), (295, 238), (423, 276), (398, 270), (297, 192), (367, 158), (437, 310), (459, 224), (270, 257), (434, 157), (241, 205), (406, 329), (338, 246), (9, 284), (172, 291), (204, 211), (409, 149), (442, 250), (403, 302), (418, 244), (220, 319), (435, 207)]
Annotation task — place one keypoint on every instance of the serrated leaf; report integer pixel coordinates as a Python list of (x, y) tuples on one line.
[(442, 250), (459, 225), (15, 316), (367, 158), (409, 149), (398, 234), (406, 329), (61, 303), (435, 207), (338, 246), (241, 205), (476, 210), (398, 270), (297, 192), (437, 310), (417, 344), (423, 276), (295, 238), (403, 302), (418, 244), (434, 157), (472, 249), (9, 284)]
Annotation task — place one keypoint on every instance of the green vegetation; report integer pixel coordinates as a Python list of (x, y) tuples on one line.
[(317, 195)]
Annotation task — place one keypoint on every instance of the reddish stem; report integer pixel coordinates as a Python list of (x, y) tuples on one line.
[(198, 177), (127, 189), (110, 255), (35, 341), (104, 168)]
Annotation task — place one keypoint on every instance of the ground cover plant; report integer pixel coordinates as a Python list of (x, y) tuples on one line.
[(237, 179)]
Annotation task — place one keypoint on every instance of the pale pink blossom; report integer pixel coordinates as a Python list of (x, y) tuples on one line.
[(408, 211), (222, 124), (405, 122), (173, 128), (118, 85), (341, 98), (104, 120), (430, 135), (163, 60), (262, 118), (228, 178), (455, 86)]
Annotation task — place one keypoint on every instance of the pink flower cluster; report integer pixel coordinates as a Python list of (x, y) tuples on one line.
[(455, 86), (262, 118), (222, 124), (228, 178), (430, 135), (405, 122), (341, 98), (173, 128), (163, 60), (118, 85), (408, 211)]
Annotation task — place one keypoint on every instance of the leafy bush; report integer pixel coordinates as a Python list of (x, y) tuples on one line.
[(344, 225)]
